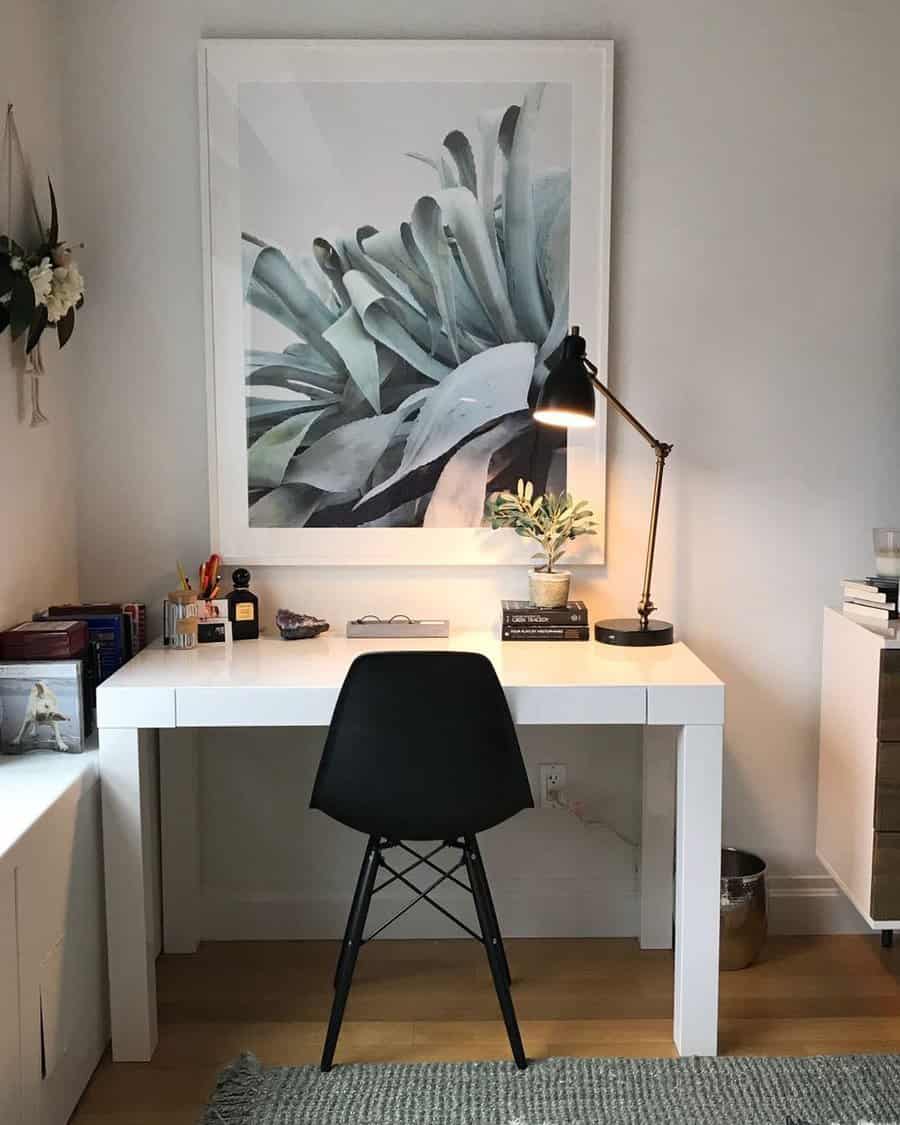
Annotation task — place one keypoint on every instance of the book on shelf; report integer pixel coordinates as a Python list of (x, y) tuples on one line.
[(108, 627), (43, 640), (545, 633), (137, 611), (524, 613), (875, 612), (871, 589), (874, 598)]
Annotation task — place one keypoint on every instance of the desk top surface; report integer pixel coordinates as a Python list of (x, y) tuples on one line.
[(322, 662)]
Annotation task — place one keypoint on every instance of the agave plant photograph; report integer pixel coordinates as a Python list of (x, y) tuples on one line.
[(405, 254)]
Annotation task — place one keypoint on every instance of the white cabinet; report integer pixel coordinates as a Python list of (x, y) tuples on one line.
[(53, 993), (10, 1054), (858, 826)]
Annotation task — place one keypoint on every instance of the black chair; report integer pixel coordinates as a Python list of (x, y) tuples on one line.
[(422, 747)]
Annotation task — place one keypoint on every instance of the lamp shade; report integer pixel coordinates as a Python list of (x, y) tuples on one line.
[(567, 397)]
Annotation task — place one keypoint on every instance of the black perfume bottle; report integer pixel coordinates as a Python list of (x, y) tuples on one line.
[(243, 607)]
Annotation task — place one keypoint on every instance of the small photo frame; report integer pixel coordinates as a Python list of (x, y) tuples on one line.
[(41, 707)]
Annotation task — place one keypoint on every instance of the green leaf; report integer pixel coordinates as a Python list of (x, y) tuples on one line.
[(357, 349), (21, 306), (457, 144), (378, 315), (38, 324), (329, 262), (428, 230), (455, 501), (268, 457), (7, 275), (482, 390), (53, 231), (65, 327), (291, 505), (519, 226), (343, 460), (462, 216), (493, 125)]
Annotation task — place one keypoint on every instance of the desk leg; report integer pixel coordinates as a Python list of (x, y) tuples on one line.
[(658, 837), (697, 867), (179, 789), (129, 873)]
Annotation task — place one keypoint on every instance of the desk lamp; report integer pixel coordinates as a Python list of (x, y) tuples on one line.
[(567, 399)]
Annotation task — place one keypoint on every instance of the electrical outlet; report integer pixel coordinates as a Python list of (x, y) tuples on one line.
[(552, 792)]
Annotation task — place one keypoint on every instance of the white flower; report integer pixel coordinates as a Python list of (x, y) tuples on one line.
[(41, 278), (16, 263), (66, 291)]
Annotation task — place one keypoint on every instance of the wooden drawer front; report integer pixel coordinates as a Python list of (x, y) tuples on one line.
[(887, 788), (886, 877), (889, 697)]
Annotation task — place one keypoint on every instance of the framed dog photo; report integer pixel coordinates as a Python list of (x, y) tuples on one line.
[(41, 707), (397, 236)]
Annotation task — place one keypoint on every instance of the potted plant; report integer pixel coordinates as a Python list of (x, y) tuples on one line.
[(552, 522)]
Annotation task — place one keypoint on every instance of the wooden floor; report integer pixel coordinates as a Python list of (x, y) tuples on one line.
[(419, 1000)]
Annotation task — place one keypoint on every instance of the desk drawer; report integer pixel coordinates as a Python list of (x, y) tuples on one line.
[(889, 696), (886, 877), (887, 788)]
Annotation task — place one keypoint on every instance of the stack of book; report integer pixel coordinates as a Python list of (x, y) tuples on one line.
[(117, 630), (872, 598), (523, 621)]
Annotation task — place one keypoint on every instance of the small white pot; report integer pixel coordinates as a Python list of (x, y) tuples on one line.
[(549, 590)]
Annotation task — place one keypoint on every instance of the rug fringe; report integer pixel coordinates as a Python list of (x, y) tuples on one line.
[(237, 1088)]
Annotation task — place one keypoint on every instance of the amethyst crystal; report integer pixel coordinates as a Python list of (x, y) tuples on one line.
[(298, 626)]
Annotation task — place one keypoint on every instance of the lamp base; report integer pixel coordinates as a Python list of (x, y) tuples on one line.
[(630, 631)]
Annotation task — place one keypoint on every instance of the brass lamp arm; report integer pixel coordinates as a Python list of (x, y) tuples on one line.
[(654, 443), (662, 450)]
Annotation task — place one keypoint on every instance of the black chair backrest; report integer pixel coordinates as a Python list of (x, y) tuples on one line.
[(421, 747)]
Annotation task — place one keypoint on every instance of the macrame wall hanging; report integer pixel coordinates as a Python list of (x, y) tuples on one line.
[(40, 284)]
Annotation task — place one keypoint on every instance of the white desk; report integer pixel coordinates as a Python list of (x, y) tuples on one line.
[(269, 682)]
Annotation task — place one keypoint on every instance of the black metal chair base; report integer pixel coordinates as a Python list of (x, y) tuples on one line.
[(490, 937), (887, 939)]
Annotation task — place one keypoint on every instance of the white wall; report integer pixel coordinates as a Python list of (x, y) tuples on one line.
[(755, 299), (38, 563)]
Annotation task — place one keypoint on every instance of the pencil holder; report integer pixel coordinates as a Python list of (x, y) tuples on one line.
[(180, 617)]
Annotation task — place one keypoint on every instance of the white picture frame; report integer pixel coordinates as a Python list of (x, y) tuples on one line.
[(586, 67)]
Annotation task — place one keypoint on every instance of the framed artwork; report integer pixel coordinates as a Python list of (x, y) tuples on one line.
[(397, 235)]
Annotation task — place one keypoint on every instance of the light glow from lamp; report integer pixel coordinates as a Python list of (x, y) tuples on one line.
[(564, 418)]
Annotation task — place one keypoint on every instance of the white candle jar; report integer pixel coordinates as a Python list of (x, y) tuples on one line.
[(887, 551)]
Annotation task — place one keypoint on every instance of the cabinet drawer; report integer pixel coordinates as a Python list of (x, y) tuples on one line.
[(887, 788), (886, 877), (889, 697)]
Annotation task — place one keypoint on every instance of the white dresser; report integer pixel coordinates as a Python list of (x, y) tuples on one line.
[(858, 826)]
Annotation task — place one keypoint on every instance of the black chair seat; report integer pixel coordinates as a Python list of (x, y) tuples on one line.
[(422, 747)]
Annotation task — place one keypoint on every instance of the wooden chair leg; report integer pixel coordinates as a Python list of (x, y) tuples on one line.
[(360, 879), (496, 936), (493, 946), (347, 961)]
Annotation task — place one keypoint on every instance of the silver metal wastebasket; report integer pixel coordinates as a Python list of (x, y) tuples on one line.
[(743, 923)]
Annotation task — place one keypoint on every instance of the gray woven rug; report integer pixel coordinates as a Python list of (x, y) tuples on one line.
[(846, 1090)]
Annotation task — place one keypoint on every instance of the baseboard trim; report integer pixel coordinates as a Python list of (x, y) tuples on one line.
[(811, 904), (798, 904), (558, 910)]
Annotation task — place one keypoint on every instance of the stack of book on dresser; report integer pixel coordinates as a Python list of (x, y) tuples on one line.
[(872, 598), (523, 621)]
